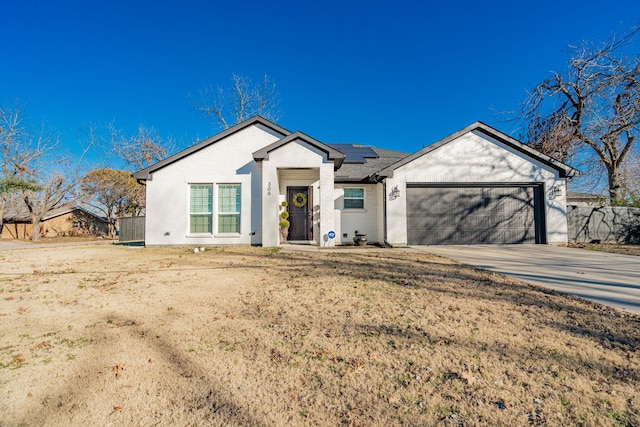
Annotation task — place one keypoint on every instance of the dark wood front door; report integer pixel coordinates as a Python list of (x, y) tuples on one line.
[(299, 201)]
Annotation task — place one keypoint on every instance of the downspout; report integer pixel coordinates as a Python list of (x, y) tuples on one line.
[(384, 213), (382, 180)]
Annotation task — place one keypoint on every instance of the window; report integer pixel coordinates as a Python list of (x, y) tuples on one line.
[(354, 198), (201, 208), (229, 208)]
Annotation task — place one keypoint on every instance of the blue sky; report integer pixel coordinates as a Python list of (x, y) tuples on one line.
[(394, 74)]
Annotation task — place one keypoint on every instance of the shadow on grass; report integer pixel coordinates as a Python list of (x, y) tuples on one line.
[(604, 325), (213, 405), (394, 336)]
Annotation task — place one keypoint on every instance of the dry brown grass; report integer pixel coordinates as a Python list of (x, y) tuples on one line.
[(66, 239), (610, 247), (106, 335)]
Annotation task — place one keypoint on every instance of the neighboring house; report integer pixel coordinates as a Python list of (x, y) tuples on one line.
[(584, 199), (60, 222), (477, 185)]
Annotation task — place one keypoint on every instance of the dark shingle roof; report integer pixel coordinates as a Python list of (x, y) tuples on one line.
[(359, 164), (360, 172)]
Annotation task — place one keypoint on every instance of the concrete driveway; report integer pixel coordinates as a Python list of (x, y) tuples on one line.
[(609, 279)]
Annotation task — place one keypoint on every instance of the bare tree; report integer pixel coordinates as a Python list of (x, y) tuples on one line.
[(225, 107), (34, 172), (19, 150), (57, 180), (141, 149), (52, 194), (590, 113)]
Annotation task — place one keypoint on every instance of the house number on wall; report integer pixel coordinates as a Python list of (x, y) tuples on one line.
[(269, 189)]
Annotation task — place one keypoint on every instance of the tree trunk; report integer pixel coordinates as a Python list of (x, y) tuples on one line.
[(35, 229), (111, 222), (3, 202), (615, 187), (112, 228)]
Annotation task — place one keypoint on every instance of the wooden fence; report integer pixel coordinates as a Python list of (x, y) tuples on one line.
[(604, 224), (131, 229)]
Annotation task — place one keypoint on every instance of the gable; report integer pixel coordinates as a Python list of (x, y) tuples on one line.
[(20, 214), (298, 154), (487, 133), (251, 134), (71, 211), (299, 139), (475, 156)]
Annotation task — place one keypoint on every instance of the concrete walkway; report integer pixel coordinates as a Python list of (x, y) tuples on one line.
[(340, 249), (610, 279)]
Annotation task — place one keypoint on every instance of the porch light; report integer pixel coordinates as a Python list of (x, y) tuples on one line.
[(556, 191), (395, 192)]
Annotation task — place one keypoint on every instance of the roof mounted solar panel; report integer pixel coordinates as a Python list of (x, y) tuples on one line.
[(355, 153)]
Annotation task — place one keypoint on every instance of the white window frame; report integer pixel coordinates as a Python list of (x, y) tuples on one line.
[(345, 198), (209, 213), (219, 212)]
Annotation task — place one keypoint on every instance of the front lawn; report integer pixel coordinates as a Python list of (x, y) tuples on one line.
[(111, 335)]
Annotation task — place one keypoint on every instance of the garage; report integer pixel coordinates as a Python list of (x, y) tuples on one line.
[(466, 214)]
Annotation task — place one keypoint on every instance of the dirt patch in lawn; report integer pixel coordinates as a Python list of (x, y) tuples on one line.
[(110, 335)]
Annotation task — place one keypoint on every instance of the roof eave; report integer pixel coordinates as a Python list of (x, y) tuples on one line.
[(564, 171), (351, 180), (145, 174), (332, 154)]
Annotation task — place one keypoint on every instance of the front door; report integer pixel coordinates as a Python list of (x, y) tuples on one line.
[(299, 213)]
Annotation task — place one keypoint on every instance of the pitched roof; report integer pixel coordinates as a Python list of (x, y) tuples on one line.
[(20, 213), (357, 163), (145, 174), (332, 154), (355, 153), (564, 170), (15, 213), (362, 172)]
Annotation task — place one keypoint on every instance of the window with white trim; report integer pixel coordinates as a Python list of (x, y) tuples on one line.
[(201, 208), (353, 198), (228, 208)]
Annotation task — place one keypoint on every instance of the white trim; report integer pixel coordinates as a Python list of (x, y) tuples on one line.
[(189, 213), (217, 212)]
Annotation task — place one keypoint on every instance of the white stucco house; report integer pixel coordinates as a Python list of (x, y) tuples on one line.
[(477, 185)]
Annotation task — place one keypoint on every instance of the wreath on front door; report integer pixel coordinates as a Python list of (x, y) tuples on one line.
[(299, 200)]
